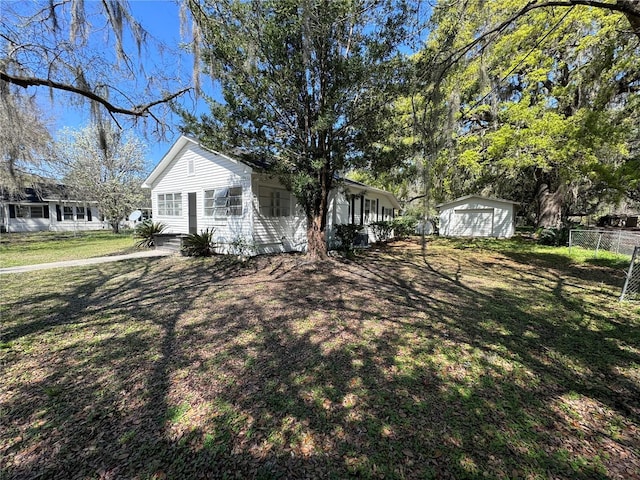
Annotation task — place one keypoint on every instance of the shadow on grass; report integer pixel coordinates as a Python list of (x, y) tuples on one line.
[(380, 367)]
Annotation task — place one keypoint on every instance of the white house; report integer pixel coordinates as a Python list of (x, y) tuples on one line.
[(476, 216), (194, 188), (46, 207)]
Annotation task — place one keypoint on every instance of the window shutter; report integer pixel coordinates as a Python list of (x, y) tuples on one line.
[(58, 213), (89, 219), (12, 211), (45, 211)]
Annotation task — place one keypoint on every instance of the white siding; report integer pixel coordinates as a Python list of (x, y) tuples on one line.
[(188, 168), (19, 224), (194, 170), (340, 211), (277, 234), (477, 217)]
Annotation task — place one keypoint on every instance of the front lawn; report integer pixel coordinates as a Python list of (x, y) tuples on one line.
[(497, 360), (18, 249)]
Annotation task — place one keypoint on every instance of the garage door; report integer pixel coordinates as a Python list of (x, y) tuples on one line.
[(473, 222)]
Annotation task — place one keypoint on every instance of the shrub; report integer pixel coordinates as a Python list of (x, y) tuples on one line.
[(382, 230), (553, 236), (145, 232), (347, 235), (199, 244), (242, 247), (404, 227)]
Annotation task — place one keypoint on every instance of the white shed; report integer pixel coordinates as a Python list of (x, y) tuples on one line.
[(476, 216)]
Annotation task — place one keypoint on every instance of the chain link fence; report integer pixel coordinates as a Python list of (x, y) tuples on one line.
[(631, 289), (615, 241)]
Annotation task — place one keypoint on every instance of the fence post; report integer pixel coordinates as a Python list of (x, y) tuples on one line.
[(570, 240), (618, 246), (598, 244), (630, 273)]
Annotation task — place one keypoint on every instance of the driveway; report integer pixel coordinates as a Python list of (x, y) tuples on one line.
[(86, 261)]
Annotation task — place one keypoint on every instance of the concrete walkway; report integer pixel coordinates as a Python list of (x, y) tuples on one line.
[(87, 261)]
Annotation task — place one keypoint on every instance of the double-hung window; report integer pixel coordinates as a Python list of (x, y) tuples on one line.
[(170, 204), (22, 211), (80, 213), (274, 202), (223, 202), (29, 211), (37, 211), (67, 213)]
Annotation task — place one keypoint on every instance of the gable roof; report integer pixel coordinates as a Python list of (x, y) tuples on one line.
[(245, 159), (467, 197), (178, 145)]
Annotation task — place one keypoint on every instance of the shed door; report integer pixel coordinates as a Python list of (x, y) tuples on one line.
[(476, 222)]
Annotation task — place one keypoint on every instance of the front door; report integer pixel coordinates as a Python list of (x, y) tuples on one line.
[(193, 214)]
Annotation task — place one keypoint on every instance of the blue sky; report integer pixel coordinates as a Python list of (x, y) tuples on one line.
[(161, 19)]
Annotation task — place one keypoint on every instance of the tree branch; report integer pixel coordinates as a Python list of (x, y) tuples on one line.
[(628, 8), (137, 111)]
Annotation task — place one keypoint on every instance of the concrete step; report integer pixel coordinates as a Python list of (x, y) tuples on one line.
[(168, 242)]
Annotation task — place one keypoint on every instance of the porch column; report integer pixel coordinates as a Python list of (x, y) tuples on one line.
[(353, 209)]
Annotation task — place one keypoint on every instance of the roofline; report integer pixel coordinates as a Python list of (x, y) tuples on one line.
[(394, 200), (183, 140), (476, 196), (178, 145)]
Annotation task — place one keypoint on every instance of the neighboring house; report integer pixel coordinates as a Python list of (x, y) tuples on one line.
[(46, 207), (193, 188), (476, 216)]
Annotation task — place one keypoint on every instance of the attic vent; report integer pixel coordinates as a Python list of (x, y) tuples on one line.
[(191, 168)]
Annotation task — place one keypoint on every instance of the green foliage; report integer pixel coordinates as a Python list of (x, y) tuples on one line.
[(306, 86), (404, 227), (382, 230), (347, 234), (145, 232), (242, 246), (555, 237), (547, 109), (199, 244)]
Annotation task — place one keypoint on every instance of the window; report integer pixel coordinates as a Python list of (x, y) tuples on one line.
[(274, 202), (223, 202), (208, 203), (67, 213), (80, 213), (22, 211), (170, 204), (37, 211)]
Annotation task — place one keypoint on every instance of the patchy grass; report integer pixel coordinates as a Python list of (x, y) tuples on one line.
[(43, 247), (498, 360)]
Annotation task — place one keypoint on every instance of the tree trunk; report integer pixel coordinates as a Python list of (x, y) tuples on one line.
[(550, 206), (317, 217), (316, 241), (115, 226)]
